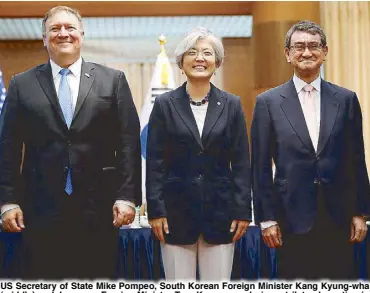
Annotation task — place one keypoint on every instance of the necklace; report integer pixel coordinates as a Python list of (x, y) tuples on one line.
[(202, 102)]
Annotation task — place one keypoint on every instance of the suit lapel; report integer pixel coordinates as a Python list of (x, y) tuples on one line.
[(45, 78), (328, 115), (293, 112), (86, 81), (182, 106), (215, 106)]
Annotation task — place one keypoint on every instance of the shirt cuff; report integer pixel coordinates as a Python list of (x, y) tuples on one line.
[(126, 202), (267, 224), (7, 207)]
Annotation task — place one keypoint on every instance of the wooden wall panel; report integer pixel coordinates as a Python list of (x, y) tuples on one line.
[(128, 8), (270, 67), (19, 56), (266, 11), (238, 73), (271, 21)]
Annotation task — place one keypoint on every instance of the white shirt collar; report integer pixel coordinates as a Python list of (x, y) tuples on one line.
[(300, 84), (75, 68)]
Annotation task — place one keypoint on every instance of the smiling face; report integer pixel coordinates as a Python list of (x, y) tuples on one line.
[(199, 62), (306, 54), (63, 38)]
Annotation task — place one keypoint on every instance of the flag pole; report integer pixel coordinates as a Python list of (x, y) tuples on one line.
[(162, 81)]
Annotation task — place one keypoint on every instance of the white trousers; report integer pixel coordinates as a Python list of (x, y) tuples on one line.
[(215, 261)]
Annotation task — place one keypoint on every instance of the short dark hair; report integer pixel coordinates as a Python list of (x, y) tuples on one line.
[(308, 27), (56, 9)]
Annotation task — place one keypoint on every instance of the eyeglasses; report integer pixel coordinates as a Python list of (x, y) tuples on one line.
[(300, 47), (194, 53)]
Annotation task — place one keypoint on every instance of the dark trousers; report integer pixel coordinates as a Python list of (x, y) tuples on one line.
[(70, 246), (324, 252)]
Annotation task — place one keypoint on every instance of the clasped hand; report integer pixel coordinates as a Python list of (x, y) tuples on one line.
[(13, 220), (122, 214)]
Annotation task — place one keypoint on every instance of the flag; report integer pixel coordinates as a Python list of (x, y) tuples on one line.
[(2, 91), (162, 81)]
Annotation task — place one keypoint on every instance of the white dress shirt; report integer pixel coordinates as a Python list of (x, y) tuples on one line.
[(74, 86), (73, 78), (299, 85)]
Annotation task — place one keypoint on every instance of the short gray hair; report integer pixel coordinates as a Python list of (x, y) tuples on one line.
[(193, 36), (56, 9), (308, 27)]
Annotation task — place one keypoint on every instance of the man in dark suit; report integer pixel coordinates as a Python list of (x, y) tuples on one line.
[(314, 207), (80, 131)]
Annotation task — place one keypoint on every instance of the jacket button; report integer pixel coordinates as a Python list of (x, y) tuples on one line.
[(69, 142), (200, 176), (318, 158), (316, 181), (200, 153)]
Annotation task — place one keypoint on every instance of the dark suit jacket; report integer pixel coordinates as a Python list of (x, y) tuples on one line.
[(102, 146), (279, 132), (200, 183)]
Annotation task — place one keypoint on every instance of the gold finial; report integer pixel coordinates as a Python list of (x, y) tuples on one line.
[(164, 72), (162, 41)]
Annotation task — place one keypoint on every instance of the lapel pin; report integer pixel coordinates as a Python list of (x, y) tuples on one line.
[(218, 103), (87, 75)]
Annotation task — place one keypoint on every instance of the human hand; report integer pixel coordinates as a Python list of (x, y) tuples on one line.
[(240, 226), (122, 214), (272, 236), (158, 226), (13, 220), (358, 229)]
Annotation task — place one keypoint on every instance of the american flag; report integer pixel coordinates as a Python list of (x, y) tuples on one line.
[(2, 91)]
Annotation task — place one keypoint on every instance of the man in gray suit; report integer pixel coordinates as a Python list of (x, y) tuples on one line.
[(81, 136)]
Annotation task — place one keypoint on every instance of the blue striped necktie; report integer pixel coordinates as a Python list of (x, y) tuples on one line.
[(65, 101)]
